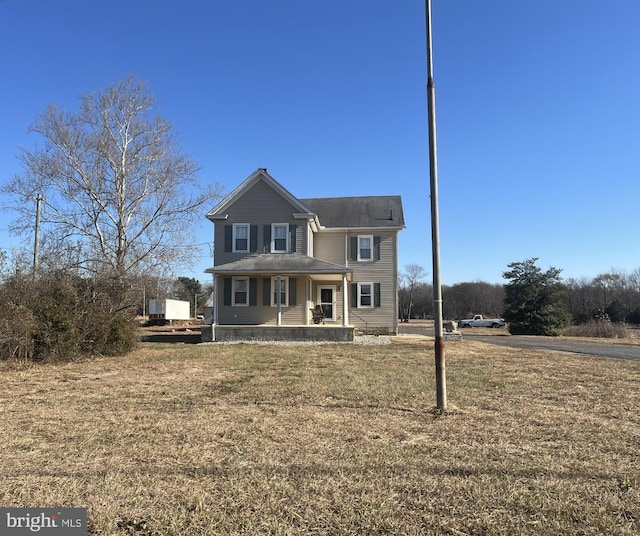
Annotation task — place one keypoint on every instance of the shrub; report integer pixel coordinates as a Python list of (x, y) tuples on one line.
[(598, 328), (63, 316), (17, 330)]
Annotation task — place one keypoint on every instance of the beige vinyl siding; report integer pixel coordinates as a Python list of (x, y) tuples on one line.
[(260, 205), (330, 246), (263, 314), (385, 272)]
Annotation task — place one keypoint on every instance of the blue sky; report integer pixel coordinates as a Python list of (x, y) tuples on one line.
[(538, 110)]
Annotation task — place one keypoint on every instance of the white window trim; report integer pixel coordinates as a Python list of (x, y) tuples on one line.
[(273, 291), (360, 306), (233, 291), (370, 258), (273, 238), (234, 237)]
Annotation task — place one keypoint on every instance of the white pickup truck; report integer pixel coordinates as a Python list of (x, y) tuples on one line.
[(478, 321)]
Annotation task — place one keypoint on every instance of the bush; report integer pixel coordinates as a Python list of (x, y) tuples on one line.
[(62, 316), (17, 331), (598, 328), (108, 326)]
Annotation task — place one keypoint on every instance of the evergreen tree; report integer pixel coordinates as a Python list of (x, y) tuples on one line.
[(535, 301), (189, 289)]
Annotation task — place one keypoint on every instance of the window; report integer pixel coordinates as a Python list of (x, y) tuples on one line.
[(365, 248), (279, 291), (365, 294), (280, 238), (240, 291), (240, 237)]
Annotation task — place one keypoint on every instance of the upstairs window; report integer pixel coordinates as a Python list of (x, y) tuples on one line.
[(365, 248), (279, 238), (241, 237)]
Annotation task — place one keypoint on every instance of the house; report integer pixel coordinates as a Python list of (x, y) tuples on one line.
[(277, 257)]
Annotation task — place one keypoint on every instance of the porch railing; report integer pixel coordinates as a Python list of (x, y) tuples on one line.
[(366, 325)]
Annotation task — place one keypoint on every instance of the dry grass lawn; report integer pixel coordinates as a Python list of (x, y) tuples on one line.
[(327, 440)]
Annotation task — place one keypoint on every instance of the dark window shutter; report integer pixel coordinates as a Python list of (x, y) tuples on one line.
[(227, 291), (354, 294), (253, 291), (267, 239), (376, 294), (292, 237), (228, 238), (266, 291), (376, 248), (253, 244), (293, 291), (354, 249)]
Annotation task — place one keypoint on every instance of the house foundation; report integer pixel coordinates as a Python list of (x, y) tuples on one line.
[(322, 333)]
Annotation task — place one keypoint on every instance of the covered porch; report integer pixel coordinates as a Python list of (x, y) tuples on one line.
[(271, 297)]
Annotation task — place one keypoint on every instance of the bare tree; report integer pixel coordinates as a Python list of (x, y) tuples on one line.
[(116, 186), (409, 280), (3, 263), (616, 293)]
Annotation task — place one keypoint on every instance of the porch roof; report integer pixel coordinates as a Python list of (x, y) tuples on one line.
[(282, 263)]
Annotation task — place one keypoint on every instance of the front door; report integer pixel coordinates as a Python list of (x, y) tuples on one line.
[(327, 300)]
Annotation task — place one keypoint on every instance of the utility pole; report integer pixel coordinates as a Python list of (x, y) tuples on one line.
[(440, 363), (36, 242)]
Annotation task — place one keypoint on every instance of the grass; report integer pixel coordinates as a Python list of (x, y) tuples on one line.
[(327, 440)]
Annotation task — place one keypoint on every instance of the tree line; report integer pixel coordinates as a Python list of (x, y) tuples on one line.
[(613, 295)]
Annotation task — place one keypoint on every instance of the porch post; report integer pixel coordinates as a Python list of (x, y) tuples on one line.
[(214, 313), (345, 301), (278, 304), (214, 316), (309, 301)]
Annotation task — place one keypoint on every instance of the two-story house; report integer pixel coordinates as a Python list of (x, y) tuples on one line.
[(277, 258)]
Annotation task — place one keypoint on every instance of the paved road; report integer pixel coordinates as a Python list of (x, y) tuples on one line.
[(596, 349)]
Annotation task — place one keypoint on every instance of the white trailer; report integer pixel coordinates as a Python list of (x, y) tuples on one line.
[(169, 310)]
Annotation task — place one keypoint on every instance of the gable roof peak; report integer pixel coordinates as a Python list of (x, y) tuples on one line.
[(259, 174)]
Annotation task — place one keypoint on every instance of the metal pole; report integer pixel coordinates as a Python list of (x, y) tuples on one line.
[(440, 364), (36, 244)]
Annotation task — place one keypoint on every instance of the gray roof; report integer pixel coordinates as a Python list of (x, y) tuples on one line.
[(285, 263), (358, 212)]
